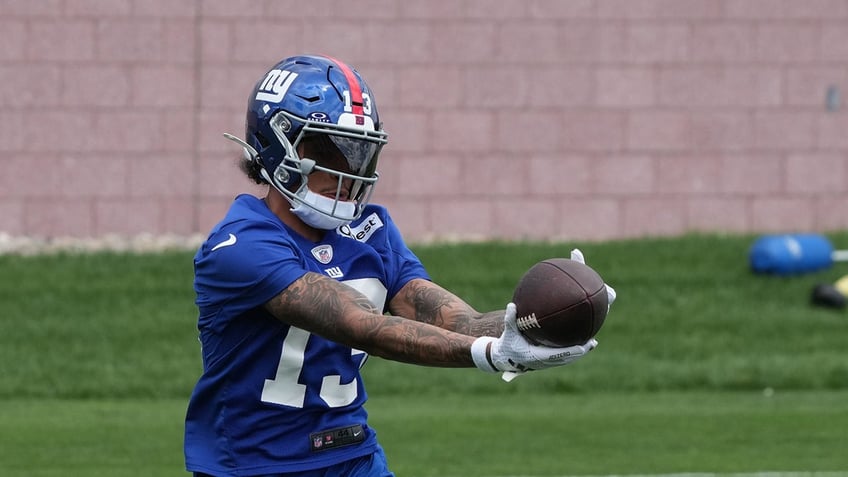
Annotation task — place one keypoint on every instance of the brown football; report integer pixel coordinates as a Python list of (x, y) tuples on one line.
[(560, 302)]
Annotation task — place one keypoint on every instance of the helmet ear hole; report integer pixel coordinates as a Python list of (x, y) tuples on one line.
[(281, 175)]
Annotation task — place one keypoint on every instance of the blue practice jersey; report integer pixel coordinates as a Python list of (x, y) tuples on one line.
[(272, 397)]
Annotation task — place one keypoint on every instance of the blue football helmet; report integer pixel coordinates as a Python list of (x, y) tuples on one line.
[(304, 96)]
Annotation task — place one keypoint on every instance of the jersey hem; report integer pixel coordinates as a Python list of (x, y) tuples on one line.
[(367, 449)]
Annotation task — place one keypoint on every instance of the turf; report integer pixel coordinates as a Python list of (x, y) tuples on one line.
[(100, 356), (473, 436), (544, 435)]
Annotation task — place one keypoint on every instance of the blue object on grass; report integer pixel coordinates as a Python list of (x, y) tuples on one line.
[(791, 254)]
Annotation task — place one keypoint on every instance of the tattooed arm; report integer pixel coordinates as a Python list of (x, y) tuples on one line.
[(337, 312), (427, 302)]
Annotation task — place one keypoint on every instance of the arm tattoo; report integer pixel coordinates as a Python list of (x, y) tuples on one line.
[(430, 303), (316, 302), (488, 324), (337, 312), (433, 304)]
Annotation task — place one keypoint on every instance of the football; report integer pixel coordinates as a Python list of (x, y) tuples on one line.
[(560, 302)]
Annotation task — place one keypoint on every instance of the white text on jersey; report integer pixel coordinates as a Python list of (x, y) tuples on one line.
[(364, 230), (334, 272)]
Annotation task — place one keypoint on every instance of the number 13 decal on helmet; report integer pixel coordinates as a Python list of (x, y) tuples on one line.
[(348, 104)]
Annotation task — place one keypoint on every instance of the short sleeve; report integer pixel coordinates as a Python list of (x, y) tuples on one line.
[(243, 265)]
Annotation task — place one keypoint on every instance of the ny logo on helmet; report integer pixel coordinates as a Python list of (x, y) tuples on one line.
[(275, 85)]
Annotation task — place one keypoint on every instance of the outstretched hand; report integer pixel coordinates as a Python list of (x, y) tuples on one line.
[(513, 355)]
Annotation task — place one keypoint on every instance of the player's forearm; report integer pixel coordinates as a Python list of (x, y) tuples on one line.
[(402, 339), (337, 312), (487, 324), (427, 302)]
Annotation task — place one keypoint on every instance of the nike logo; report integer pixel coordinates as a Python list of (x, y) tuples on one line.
[(357, 433), (225, 243)]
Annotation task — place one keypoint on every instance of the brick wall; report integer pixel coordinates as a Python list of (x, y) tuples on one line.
[(581, 119)]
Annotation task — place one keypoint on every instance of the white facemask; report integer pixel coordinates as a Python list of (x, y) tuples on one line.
[(321, 218)]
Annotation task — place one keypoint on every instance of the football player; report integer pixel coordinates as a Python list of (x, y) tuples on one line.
[(295, 289)]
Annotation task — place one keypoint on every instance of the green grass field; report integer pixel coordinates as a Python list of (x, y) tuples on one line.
[(460, 435), (702, 368)]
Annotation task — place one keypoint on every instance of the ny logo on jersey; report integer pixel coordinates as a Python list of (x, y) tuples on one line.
[(334, 272), (275, 85)]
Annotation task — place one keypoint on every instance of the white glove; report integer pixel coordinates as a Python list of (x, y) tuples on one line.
[(512, 354), (577, 256)]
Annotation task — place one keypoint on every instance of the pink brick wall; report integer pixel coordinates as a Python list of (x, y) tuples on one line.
[(540, 119)]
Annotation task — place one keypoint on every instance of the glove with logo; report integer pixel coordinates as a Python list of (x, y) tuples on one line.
[(513, 355)]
